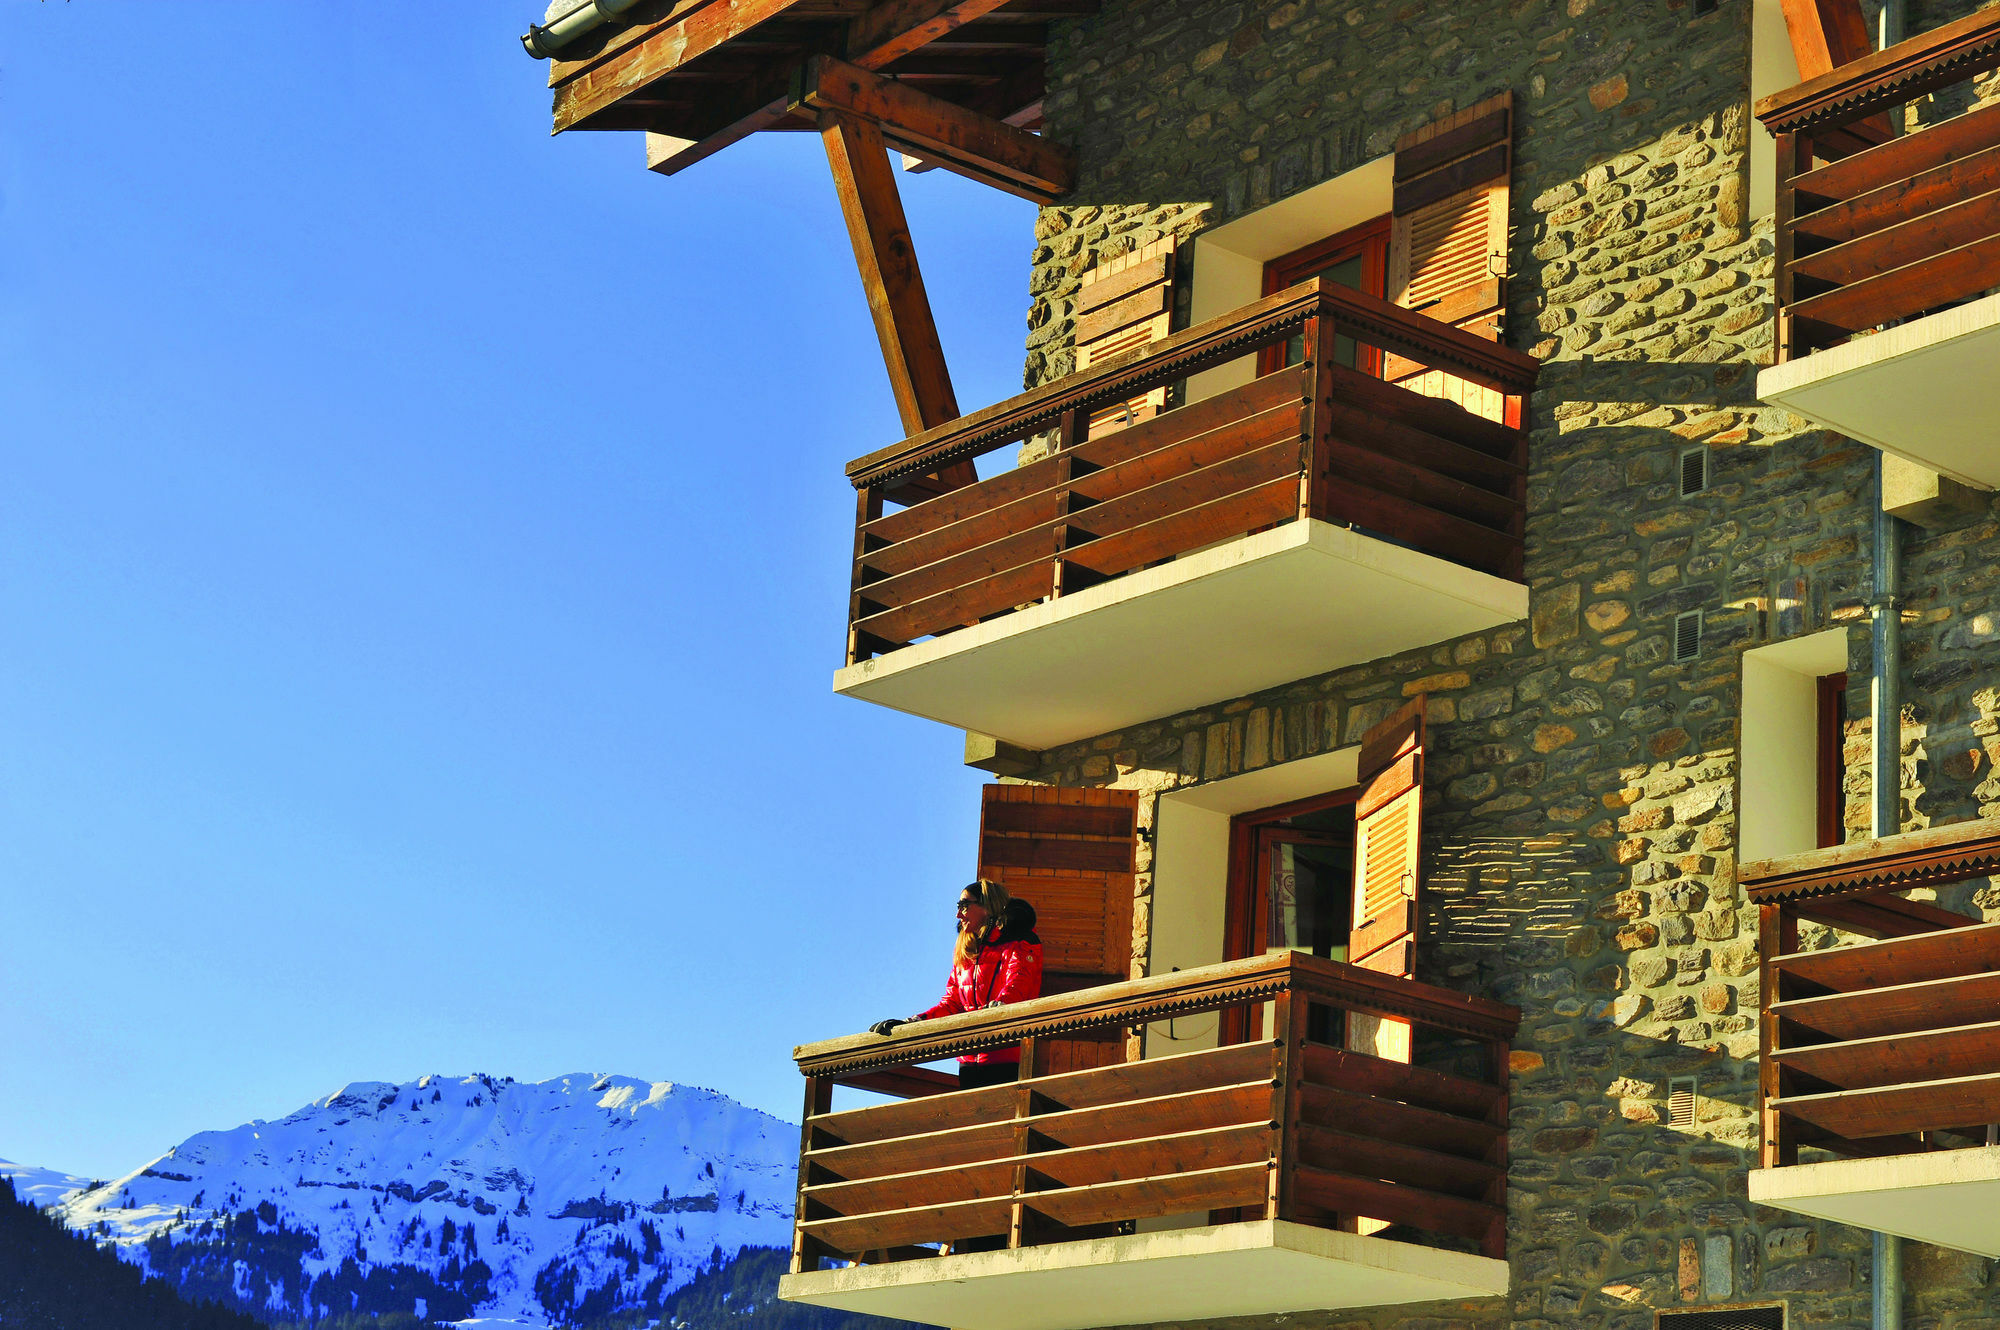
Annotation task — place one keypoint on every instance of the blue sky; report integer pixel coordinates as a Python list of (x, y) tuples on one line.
[(422, 566)]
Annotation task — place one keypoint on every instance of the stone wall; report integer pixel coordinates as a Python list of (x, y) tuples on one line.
[(1581, 800)]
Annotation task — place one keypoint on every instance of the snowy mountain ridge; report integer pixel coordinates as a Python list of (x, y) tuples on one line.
[(551, 1203)]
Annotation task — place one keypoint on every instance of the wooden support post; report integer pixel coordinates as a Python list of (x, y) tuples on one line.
[(1288, 1027), (806, 1251), (1777, 935), (1020, 1223), (1781, 264), (1316, 421), (891, 279)]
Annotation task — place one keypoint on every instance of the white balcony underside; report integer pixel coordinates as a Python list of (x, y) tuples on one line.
[(1260, 1268), (1927, 390), (1250, 613), (1948, 1198)]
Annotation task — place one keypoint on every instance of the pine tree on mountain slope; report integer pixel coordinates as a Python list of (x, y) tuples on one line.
[(52, 1279), (740, 1292)]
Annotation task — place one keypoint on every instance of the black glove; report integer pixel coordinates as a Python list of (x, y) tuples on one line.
[(887, 1027)]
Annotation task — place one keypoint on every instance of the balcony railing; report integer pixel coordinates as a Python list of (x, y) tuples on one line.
[(1286, 1128), (1872, 228), (1888, 1047), (1315, 440)]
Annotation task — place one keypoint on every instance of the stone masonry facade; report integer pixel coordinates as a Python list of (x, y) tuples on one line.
[(1581, 796)]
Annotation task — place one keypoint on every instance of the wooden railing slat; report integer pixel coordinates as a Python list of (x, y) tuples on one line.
[(1906, 159), (1927, 1055), (1422, 1087), (1403, 1124), (1906, 960), (1934, 1004), (1398, 1203), (1956, 274), (1959, 1104)]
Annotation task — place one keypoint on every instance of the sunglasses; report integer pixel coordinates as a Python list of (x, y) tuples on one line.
[(963, 906)]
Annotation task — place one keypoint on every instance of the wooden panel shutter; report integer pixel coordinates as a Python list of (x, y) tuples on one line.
[(1448, 237), (1123, 304), (1070, 854), (1388, 838)]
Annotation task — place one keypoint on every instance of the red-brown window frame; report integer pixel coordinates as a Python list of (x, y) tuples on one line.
[(1831, 765), (1370, 240), (1243, 921)]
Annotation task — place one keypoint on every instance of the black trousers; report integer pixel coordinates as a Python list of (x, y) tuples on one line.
[(972, 1075)]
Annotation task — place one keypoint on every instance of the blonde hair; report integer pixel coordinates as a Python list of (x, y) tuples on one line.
[(993, 899)]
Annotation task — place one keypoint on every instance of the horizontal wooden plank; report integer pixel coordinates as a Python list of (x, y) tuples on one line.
[(1337, 499), (1901, 200), (1930, 857), (1193, 528), (1151, 1198), (941, 1185), (899, 1228), (1403, 479), (1114, 820), (1443, 149), (1904, 157), (1247, 1104), (1880, 915), (903, 1082), (1928, 1055), (1911, 241), (1384, 1079), (963, 605), (1480, 168), (1148, 302), (1956, 274), (1180, 993), (1398, 1203), (1433, 415), (1147, 272), (1015, 526), (1963, 1103), (1934, 1004), (1404, 1124), (957, 1146), (995, 491), (1362, 427), (1907, 960), (695, 33), (1179, 1073), (1392, 1161), (1076, 856), (945, 1112)]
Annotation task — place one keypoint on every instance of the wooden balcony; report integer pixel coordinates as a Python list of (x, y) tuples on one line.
[(1240, 1180), (1888, 248), (1317, 516), (1885, 1054)]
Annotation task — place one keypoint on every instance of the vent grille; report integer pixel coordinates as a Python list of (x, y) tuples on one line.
[(1448, 247), (1729, 1318), (1687, 636), (1694, 471), (1680, 1101)]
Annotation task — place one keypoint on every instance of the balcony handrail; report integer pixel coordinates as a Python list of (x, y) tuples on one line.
[(1365, 318), (1947, 54), (1158, 997), (1933, 856)]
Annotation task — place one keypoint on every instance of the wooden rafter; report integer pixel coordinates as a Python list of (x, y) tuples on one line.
[(1827, 34), (964, 141), (894, 284), (890, 31)]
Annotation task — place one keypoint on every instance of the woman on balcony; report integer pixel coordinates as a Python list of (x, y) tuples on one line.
[(996, 959)]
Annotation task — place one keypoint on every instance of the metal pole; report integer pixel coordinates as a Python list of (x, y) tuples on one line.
[(1886, 641)]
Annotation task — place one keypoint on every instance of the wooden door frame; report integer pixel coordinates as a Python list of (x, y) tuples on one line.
[(1370, 239), (1243, 917)]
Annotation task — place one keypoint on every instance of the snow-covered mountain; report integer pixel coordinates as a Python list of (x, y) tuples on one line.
[(550, 1203), (40, 1186)]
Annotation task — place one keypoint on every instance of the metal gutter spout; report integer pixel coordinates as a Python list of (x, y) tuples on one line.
[(544, 41)]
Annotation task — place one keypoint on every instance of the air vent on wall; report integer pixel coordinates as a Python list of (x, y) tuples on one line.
[(1694, 471), (1704, 7), (1680, 1101), (1725, 1318), (1687, 636)]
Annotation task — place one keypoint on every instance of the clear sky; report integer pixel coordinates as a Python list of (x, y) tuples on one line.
[(422, 566)]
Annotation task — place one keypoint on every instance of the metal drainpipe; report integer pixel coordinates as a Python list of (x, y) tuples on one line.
[(544, 40), (1887, 645), (1886, 624), (1888, 1283)]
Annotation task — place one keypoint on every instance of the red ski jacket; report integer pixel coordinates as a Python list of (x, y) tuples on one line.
[(1001, 972)]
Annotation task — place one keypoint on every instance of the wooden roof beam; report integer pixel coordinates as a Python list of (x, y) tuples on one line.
[(891, 279), (964, 141), (895, 28)]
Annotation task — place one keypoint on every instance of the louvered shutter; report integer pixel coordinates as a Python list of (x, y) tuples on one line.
[(1070, 854), (1448, 237), (1124, 303), (1388, 836)]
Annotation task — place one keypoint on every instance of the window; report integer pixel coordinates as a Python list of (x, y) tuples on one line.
[(1291, 887), (1357, 257)]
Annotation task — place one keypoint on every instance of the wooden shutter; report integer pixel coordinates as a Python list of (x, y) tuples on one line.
[(1123, 304), (1388, 837), (1070, 854), (1448, 237)]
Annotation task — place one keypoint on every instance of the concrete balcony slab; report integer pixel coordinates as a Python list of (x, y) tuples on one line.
[(1948, 1198), (1926, 390), (1250, 613), (1260, 1268)]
